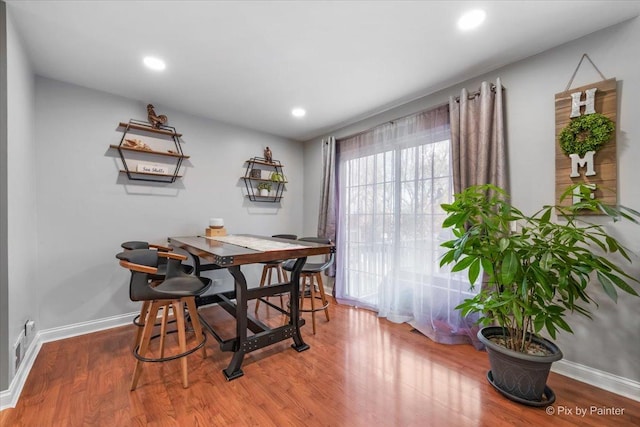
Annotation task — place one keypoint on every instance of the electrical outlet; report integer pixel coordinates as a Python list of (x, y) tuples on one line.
[(29, 332), (17, 353)]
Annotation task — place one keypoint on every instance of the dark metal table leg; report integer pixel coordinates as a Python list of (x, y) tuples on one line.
[(294, 302), (234, 370)]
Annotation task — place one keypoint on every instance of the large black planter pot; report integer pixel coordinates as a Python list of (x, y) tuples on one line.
[(520, 377)]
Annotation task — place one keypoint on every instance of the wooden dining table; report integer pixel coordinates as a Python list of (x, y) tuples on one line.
[(233, 251)]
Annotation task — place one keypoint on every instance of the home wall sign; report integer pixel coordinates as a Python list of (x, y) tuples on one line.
[(586, 140)]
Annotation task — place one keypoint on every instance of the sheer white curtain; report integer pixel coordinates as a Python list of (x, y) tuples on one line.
[(391, 183)]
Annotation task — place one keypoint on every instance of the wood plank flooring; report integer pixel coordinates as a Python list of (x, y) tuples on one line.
[(360, 371)]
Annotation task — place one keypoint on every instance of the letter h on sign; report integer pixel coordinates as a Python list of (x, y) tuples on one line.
[(588, 103)]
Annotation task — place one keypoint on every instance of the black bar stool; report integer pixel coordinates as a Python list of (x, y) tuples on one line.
[(177, 290)]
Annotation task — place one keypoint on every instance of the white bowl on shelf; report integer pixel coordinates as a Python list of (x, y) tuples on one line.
[(216, 222)]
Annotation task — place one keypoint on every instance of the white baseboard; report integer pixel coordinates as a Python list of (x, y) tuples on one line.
[(9, 397), (604, 380)]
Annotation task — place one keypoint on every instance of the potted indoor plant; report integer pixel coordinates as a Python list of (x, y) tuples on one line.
[(264, 188), (536, 270)]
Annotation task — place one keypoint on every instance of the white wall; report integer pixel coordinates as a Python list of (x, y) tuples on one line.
[(21, 189), (86, 208), (609, 343)]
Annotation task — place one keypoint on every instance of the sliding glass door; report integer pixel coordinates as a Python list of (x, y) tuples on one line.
[(392, 181)]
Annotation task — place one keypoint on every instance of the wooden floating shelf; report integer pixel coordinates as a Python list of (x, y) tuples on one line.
[(259, 162), (264, 198), (159, 153), (149, 129), (149, 173), (263, 180)]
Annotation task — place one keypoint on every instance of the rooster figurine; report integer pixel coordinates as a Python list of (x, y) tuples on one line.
[(156, 121)]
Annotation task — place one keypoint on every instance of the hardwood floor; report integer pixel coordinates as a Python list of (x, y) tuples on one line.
[(360, 371)]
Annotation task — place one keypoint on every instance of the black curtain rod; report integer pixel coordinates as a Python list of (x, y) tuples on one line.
[(476, 93), (392, 121), (456, 99)]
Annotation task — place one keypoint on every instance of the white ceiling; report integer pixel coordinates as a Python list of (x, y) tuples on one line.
[(250, 63)]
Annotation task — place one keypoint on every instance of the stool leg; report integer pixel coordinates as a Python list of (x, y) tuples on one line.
[(195, 322), (144, 344), (142, 319), (262, 281), (163, 327), (303, 286), (323, 295), (312, 294), (178, 312), (269, 279), (280, 272)]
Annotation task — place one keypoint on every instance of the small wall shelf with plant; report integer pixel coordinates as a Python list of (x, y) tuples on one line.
[(264, 180), (150, 153)]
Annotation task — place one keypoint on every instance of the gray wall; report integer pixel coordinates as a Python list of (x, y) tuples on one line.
[(21, 190), (4, 278), (86, 208), (610, 342)]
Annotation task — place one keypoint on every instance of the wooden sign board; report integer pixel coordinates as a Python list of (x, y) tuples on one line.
[(604, 160)]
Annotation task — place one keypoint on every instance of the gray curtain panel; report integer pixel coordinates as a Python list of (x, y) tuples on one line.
[(477, 138), (327, 213), (328, 196)]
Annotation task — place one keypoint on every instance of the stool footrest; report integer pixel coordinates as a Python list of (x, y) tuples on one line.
[(137, 355)]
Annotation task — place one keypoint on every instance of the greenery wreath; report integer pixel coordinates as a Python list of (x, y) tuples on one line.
[(586, 133)]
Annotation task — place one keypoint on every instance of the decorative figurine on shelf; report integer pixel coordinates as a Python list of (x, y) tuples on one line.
[(268, 157), (155, 120), (136, 144)]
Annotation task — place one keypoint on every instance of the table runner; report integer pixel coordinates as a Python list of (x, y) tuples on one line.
[(255, 243)]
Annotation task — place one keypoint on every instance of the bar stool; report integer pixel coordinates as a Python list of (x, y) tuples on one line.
[(176, 290), (267, 271), (310, 279), (162, 262), (156, 278)]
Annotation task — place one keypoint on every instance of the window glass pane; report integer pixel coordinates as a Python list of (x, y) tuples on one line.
[(441, 166)]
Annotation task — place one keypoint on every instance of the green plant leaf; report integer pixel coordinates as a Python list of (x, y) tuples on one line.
[(447, 258), (474, 271), (463, 264), (545, 261), (545, 216), (562, 324), (487, 266), (453, 219), (503, 244), (509, 267), (621, 284), (608, 287)]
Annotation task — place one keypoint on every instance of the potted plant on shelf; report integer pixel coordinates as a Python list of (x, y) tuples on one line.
[(535, 272), (278, 177), (264, 188)]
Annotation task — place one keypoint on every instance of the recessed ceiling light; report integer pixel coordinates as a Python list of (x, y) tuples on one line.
[(155, 64), (298, 112), (471, 19)]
